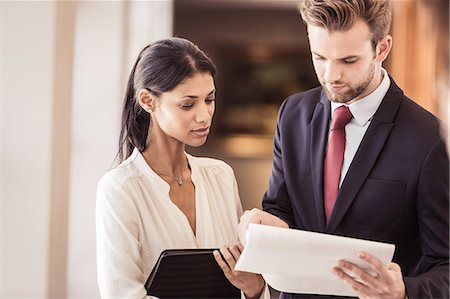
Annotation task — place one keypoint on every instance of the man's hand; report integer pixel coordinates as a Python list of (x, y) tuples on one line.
[(259, 217), (251, 284), (385, 282)]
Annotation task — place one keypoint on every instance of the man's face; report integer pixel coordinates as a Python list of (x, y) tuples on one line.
[(345, 62)]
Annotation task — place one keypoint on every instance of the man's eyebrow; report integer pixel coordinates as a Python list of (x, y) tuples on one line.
[(342, 58), (349, 57), (317, 54)]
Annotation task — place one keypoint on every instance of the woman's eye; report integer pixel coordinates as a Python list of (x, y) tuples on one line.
[(187, 106), (209, 101)]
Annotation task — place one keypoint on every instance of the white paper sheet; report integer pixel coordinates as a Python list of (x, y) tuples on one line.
[(296, 261)]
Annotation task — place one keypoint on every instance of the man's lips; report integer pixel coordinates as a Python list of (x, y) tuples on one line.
[(335, 88)]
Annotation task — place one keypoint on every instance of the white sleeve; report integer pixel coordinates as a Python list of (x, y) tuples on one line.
[(119, 264), (237, 198), (264, 295)]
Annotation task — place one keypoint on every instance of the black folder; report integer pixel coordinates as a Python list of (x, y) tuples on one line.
[(189, 273)]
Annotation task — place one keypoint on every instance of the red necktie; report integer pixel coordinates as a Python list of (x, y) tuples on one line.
[(334, 157)]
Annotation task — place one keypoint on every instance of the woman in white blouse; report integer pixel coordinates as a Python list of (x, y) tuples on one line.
[(160, 197)]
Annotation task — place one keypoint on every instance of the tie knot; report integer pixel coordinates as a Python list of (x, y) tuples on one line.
[(341, 117)]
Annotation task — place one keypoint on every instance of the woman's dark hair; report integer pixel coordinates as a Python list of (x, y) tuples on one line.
[(159, 68)]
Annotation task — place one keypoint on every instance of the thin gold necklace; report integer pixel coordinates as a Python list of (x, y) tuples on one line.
[(179, 179)]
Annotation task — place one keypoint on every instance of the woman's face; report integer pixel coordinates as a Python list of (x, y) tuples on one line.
[(185, 113)]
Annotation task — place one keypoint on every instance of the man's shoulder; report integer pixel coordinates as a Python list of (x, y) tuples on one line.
[(307, 97), (417, 116), (414, 109), (408, 109), (301, 104), (411, 119)]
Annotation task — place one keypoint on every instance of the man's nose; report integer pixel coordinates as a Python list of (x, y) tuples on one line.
[(332, 73)]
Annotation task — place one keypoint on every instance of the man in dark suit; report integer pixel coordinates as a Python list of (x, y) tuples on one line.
[(355, 157)]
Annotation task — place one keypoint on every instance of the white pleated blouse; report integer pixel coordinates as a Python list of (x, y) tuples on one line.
[(136, 220)]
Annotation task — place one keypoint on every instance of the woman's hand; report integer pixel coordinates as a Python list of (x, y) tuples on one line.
[(259, 217), (251, 284)]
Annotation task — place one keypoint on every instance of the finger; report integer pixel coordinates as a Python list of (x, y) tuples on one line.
[(251, 216), (247, 217), (233, 248), (256, 216), (357, 286), (223, 253), (222, 264), (228, 257), (358, 274), (384, 278), (374, 263), (394, 267), (240, 247), (243, 216)]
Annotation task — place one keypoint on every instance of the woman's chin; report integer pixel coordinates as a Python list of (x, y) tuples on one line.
[(197, 143)]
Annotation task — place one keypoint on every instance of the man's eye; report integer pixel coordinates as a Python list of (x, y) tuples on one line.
[(349, 61)]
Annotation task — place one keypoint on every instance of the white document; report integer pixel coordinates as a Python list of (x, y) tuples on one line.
[(296, 261)]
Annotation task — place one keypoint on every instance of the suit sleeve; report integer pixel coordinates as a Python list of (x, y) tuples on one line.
[(276, 199), (432, 280)]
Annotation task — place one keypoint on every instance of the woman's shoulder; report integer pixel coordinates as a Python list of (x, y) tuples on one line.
[(127, 170), (210, 163)]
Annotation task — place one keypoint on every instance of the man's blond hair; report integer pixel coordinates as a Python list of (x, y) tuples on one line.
[(340, 15)]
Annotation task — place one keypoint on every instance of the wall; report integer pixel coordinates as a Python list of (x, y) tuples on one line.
[(108, 38), (27, 60), (420, 57), (63, 71)]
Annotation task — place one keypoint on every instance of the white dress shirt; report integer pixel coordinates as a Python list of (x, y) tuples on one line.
[(136, 220), (362, 111)]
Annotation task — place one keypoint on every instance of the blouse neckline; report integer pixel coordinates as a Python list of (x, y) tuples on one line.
[(165, 188)]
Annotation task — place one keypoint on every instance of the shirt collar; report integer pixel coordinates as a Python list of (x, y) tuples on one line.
[(363, 109)]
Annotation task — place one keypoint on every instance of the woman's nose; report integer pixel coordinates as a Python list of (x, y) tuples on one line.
[(203, 114)]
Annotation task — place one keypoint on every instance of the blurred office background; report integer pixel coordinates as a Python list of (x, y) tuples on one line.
[(63, 71)]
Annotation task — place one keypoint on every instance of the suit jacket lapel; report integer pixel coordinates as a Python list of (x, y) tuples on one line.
[(319, 136), (368, 152)]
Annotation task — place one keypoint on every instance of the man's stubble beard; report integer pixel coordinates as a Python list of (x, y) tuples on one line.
[(354, 92)]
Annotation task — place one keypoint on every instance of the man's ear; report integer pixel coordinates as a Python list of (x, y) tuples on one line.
[(383, 48), (146, 99)]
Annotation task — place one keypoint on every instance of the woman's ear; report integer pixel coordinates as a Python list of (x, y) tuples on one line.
[(383, 48), (146, 99)]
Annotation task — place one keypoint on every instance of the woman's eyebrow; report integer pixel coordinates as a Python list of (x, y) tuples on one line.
[(196, 97)]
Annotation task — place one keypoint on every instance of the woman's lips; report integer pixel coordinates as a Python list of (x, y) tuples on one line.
[(201, 132)]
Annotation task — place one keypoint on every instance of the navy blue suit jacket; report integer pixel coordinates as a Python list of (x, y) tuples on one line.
[(395, 191)]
